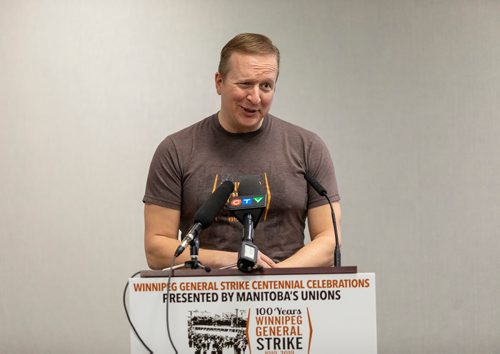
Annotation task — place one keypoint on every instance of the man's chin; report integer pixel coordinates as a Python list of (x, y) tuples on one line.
[(248, 124)]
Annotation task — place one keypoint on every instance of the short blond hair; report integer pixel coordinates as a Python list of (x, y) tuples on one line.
[(246, 43)]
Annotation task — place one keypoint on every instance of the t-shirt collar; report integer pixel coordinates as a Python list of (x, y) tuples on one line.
[(263, 127)]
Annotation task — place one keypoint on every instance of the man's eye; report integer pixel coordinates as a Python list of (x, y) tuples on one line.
[(266, 87)]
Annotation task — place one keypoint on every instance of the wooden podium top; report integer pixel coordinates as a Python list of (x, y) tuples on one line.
[(185, 272)]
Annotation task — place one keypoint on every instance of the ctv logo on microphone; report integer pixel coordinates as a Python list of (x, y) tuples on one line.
[(247, 202)]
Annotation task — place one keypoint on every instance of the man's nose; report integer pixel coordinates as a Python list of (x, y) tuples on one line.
[(254, 95)]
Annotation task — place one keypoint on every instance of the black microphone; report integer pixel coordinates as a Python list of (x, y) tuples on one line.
[(315, 184), (249, 188), (206, 213), (248, 208), (322, 191)]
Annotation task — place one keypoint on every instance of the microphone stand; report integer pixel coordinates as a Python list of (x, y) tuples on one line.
[(194, 262)]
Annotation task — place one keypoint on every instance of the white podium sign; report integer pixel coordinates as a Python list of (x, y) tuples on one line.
[(256, 314)]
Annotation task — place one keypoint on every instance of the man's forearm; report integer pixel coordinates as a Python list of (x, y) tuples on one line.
[(317, 253), (160, 251)]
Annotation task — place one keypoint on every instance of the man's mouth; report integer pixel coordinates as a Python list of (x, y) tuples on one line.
[(249, 110)]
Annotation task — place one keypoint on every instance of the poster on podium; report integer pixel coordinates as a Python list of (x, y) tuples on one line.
[(257, 314)]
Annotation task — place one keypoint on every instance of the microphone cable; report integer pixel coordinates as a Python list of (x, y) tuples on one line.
[(166, 310), (336, 255), (322, 192), (171, 270), (128, 316)]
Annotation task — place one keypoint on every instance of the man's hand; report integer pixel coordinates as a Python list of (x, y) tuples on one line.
[(264, 261)]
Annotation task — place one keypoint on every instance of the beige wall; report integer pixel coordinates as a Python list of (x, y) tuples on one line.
[(405, 93)]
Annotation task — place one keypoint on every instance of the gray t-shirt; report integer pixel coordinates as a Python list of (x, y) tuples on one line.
[(190, 164)]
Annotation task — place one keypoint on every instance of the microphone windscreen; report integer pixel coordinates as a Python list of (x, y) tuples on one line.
[(209, 210), (249, 185), (315, 184)]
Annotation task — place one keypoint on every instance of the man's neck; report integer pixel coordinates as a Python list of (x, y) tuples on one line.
[(229, 128)]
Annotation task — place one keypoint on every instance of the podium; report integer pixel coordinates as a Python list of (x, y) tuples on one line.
[(273, 311)]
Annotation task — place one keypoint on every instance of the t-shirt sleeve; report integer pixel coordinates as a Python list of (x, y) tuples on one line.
[(164, 183), (320, 165)]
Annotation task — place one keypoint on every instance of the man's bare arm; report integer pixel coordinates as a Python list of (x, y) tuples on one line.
[(160, 242), (319, 252)]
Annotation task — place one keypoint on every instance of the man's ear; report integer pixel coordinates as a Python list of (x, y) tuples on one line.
[(218, 83)]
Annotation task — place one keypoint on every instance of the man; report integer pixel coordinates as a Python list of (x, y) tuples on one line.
[(242, 139)]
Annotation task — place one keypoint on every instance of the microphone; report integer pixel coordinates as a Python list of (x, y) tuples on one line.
[(250, 189), (206, 213), (313, 182), (248, 208)]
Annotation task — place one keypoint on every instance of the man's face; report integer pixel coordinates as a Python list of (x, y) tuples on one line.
[(247, 91)]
